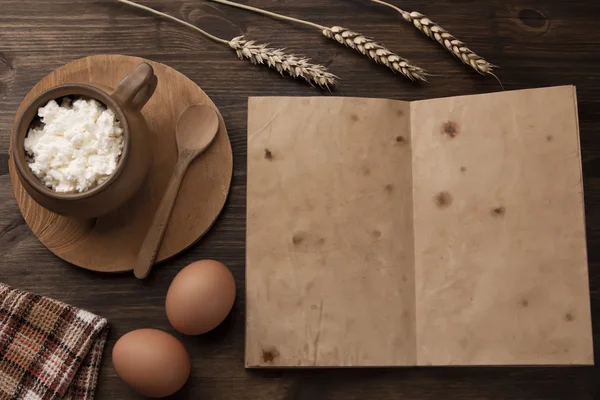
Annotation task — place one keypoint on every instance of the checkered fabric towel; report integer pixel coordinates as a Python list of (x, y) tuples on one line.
[(48, 350)]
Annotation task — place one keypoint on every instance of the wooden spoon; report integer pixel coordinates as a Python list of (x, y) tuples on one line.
[(196, 129)]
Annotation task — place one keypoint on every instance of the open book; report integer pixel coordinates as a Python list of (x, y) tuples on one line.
[(439, 232)]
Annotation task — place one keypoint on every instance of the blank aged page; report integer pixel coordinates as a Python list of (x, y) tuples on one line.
[(500, 250), (330, 269)]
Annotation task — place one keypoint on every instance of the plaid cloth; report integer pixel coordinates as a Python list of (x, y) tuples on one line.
[(48, 350)]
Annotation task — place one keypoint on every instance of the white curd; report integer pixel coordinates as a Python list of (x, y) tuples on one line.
[(77, 147)]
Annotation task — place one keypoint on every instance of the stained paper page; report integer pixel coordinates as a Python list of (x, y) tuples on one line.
[(500, 250), (330, 269)]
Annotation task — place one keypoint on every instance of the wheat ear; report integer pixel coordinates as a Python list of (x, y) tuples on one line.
[(443, 37), (297, 67), (283, 63), (376, 52), (356, 41)]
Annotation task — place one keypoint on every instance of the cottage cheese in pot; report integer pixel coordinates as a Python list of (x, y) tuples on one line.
[(77, 147)]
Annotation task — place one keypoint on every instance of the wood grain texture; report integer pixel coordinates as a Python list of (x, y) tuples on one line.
[(204, 189), (536, 42)]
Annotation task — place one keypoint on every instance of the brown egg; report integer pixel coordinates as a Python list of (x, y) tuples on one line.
[(200, 297), (151, 362)]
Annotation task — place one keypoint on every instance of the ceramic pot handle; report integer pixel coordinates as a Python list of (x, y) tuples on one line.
[(136, 89)]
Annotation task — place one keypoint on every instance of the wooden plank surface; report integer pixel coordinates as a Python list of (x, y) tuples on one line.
[(536, 42)]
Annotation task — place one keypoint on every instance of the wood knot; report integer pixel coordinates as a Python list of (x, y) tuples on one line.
[(532, 21), (533, 18)]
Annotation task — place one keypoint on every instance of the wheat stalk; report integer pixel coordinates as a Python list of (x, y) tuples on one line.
[(356, 41), (443, 37), (297, 67)]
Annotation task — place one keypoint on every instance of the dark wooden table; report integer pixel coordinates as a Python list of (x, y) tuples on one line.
[(536, 42)]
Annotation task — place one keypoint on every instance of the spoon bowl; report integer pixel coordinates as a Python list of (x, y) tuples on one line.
[(196, 128)]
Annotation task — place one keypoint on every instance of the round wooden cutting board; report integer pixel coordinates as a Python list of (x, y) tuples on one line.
[(111, 243)]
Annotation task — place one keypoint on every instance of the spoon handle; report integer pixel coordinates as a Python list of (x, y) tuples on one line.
[(156, 232)]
